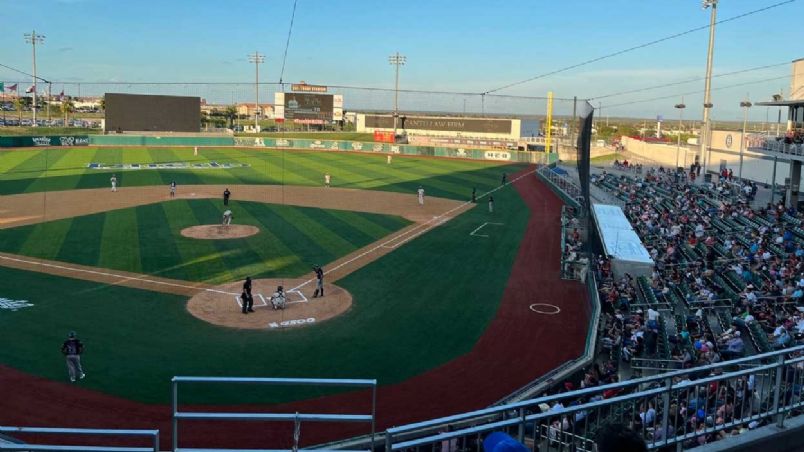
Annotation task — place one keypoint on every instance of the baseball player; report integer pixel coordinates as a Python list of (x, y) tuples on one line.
[(327, 180), (278, 299), (319, 281), (474, 195), (226, 194), (72, 349), (227, 217), (388, 159), (246, 298), (173, 189), (491, 204), (504, 179), (420, 191), (113, 179)]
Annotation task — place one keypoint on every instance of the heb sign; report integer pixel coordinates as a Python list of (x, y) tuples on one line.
[(41, 141)]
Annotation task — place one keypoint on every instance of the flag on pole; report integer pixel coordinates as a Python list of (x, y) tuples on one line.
[(12, 87), (30, 89)]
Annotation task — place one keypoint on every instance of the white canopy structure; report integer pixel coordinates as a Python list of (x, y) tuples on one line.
[(620, 242)]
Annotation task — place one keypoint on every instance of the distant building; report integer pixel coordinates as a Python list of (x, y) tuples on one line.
[(247, 109)]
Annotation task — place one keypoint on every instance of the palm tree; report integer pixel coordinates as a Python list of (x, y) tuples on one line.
[(231, 113), (103, 103), (18, 106), (67, 107)]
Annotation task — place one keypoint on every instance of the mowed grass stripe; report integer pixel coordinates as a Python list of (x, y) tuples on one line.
[(316, 232), (45, 239), (53, 178), (292, 169), (347, 173), (159, 254), (200, 258), (120, 241), (232, 254), (80, 245), (308, 247), (339, 222)]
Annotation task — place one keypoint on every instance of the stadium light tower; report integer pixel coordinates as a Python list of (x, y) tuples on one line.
[(33, 39), (746, 104), (396, 60), (680, 108), (257, 58), (708, 87)]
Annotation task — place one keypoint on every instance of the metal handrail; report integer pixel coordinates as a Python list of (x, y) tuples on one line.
[(153, 434)]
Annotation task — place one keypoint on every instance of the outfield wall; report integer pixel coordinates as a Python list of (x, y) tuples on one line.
[(282, 143)]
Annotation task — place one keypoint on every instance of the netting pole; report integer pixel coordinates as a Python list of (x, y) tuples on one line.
[(549, 126)]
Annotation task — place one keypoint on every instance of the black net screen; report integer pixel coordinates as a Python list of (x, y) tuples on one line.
[(585, 116)]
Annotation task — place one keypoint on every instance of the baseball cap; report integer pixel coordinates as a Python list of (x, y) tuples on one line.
[(71, 334)]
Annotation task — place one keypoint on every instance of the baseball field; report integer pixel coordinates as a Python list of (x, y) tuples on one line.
[(431, 300)]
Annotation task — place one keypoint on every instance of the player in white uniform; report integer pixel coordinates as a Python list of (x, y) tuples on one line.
[(327, 179), (227, 217), (113, 180), (173, 189), (388, 159), (420, 191)]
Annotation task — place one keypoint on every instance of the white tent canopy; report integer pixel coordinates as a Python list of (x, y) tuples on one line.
[(620, 242)]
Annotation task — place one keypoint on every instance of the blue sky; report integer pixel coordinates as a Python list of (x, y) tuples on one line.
[(466, 46)]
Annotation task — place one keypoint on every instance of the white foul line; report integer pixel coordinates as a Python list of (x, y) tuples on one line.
[(122, 277), (428, 222)]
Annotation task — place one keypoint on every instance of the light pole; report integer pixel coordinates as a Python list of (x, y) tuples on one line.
[(33, 39), (708, 88), (257, 58), (745, 105), (396, 60), (680, 108)]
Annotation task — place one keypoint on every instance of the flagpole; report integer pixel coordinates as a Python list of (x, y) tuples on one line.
[(49, 99)]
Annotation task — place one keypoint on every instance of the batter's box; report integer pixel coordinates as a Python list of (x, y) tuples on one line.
[(292, 297)]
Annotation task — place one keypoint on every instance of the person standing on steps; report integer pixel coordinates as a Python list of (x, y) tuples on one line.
[(226, 194), (319, 281), (246, 298), (491, 204), (72, 349)]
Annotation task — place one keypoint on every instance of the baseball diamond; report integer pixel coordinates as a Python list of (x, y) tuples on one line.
[(153, 298)]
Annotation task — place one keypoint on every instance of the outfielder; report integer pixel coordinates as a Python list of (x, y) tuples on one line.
[(113, 179), (227, 217), (388, 160), (327, 180), (420, 191)]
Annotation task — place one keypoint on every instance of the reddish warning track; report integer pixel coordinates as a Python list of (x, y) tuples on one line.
[(518, 346)]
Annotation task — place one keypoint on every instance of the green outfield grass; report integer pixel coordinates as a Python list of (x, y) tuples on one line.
[(66, 169), (420, 306), (147, 239)]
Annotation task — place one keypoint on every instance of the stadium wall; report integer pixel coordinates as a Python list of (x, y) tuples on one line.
[(757, 167)]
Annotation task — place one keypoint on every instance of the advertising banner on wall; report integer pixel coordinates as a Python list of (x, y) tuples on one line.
[(41, 141)]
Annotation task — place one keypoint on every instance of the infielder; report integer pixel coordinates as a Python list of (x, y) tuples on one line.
[(319, 281), (173, 189), (114, 182), (420, 191), (227, 217), (327, 180), (491, 204), (72, 349)]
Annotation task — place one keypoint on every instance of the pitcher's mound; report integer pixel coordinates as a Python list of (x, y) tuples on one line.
[(222, 305), (219, 232)]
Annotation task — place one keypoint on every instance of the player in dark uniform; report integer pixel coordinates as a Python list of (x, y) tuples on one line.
[(319, 281), (226, 194), (246, 298), (72, 349)]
